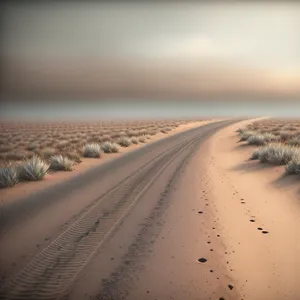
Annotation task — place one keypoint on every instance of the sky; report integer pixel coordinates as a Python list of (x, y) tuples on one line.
[(152, 50)]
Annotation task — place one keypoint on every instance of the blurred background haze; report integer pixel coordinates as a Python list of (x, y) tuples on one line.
[(169, 58)]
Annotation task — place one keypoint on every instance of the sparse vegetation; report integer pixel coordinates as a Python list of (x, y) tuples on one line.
[(277, 154), (39, 147), (134, 140), (262, 139), (109, 147), (293, 166), (124, 141), (8, 176), (279, 141), (142, 139), (33, 169), (246, 134), (61, 163), (92, 150)]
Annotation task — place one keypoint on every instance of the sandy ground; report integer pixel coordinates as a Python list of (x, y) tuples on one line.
[(201, 199), (27, 188), (120, 237), (264, 254)]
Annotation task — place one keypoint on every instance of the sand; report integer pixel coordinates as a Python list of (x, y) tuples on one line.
[(264, 254), (248, 230)]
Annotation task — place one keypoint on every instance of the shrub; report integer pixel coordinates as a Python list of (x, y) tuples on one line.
[(33, 146), (246, 134), (92, 150), (33, 169), (256, 140), (142, 139), (152, 132), (105, 138), (164, 131), (8, 176), (240, 130), (74, 156), (256, 154), (286, 135), (109, 147), (61, 163), (262, 139), (132, 133), (142, 132), (293, 166), (124, 142), (48, 152), (62, 144), (134, 140), (277, 154), (294, 142)]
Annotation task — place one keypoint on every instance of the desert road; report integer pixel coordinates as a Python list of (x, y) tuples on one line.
[(136, 227)]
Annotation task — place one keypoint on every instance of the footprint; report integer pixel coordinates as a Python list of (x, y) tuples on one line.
[(202, 260), (252, 220), (265, 232)]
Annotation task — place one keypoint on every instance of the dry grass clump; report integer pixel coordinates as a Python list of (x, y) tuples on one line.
[(109, 147), (105, 138), (74, 155), (166, 129), (132, 133), (124, 141), (262, 139), (286, 135), (276, 153), (294, 141), (246, 134), (61, 163), (92, 150), (134, 140), (62, 144), (9, 176), (293, 166), (33, 146), (152, 132), (33, 169), (48, 152), (142, 139)]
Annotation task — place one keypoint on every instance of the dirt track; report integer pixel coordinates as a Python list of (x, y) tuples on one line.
[(120, 231)]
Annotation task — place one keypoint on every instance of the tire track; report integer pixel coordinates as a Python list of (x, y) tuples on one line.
[(47, 275)]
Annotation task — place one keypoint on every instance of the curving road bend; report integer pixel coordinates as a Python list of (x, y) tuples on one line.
[(128, 229)]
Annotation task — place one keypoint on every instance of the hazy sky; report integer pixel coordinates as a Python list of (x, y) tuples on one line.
[(253, 36)]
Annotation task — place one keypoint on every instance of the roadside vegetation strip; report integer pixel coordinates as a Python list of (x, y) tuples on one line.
[(279, 142), (60, 146)]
